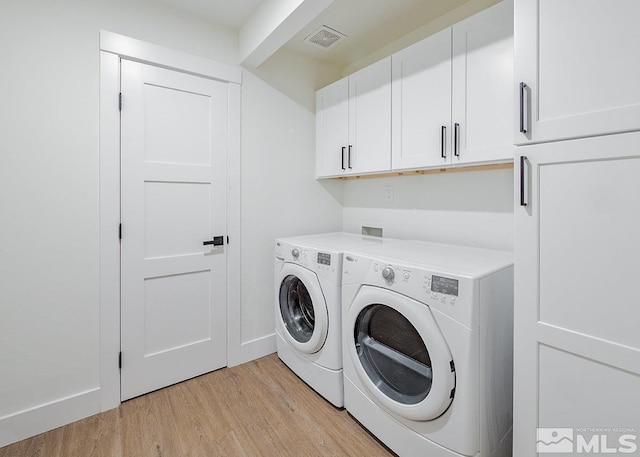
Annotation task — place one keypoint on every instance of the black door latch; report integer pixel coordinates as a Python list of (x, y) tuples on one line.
[(216, 241)]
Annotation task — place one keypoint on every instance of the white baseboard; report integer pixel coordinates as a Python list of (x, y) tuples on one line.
[(255, 349), (24, 424), (42, 418)]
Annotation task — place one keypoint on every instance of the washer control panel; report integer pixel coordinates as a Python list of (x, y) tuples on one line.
[(324, 258)]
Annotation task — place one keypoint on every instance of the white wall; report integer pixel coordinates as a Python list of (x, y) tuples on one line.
[(280, 196), (471, 208), (49, 184), (49, 309), (49, 149)]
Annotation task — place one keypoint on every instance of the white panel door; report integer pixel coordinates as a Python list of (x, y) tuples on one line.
[(174, 182), (422, 103), (576, 344), (369, 148), (579, 62), (482, 93), (332, 128)]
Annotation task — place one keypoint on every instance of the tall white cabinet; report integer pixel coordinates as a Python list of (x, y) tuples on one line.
[(577, 64), (577, 226), (577, 289)]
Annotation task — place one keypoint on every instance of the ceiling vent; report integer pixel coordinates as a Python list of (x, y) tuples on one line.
[(325, 37)]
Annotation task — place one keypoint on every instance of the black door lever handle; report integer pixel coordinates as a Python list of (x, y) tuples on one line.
[(216, 241)]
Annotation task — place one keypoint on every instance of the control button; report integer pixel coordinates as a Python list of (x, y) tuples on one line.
[(452, 300), (295, 252), (434, 295), (406, 275), (388, 273)]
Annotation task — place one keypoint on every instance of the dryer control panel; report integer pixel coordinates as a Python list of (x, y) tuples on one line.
[(448, 286), (452, 294)]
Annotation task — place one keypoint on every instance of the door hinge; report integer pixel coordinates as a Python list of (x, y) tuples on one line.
[(120, 360), (120, 231), (120, 101)]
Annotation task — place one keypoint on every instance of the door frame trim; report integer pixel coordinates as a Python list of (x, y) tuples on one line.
[(113, 47)]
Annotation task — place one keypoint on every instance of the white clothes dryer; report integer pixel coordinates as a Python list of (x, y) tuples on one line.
[(308, 307), (427, 347)]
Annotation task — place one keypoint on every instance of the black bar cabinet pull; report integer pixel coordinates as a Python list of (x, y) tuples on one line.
[(524, 109), (523, 181), (443, 140), (343, 158), (349, 158), (456, 139)]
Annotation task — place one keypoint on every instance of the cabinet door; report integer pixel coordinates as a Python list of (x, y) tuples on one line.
[(332, 128), (369, 148), (482, 95), (422, 103), (576, 345), (579, 62)]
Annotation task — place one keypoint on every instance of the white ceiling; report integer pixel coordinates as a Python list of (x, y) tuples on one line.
[(368, 24), (230, 13)]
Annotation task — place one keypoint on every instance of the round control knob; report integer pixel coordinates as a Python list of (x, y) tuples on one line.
[(388, 273), (295, 252)]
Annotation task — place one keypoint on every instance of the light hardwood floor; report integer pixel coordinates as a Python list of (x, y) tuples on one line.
[(257, 409)]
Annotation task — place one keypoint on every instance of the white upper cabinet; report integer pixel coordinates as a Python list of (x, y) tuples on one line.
[(576, 69), (369, 148), (353, 123), (332, 128), (452, 94), (444, 101), (421, 99), (482, 95)]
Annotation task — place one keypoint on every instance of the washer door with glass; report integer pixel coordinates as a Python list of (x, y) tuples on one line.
[(400, 354), (302, 308)]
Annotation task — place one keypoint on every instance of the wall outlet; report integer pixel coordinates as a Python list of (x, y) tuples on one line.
[(388, 193)]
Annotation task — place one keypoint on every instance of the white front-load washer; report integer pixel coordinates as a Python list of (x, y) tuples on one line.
[(308, 307), (427, 347)]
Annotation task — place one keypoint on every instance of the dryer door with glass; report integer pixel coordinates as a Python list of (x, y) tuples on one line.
[(301, 308), (400, 354)]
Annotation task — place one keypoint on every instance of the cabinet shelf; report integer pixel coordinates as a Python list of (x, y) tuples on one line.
[(429, 171)]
